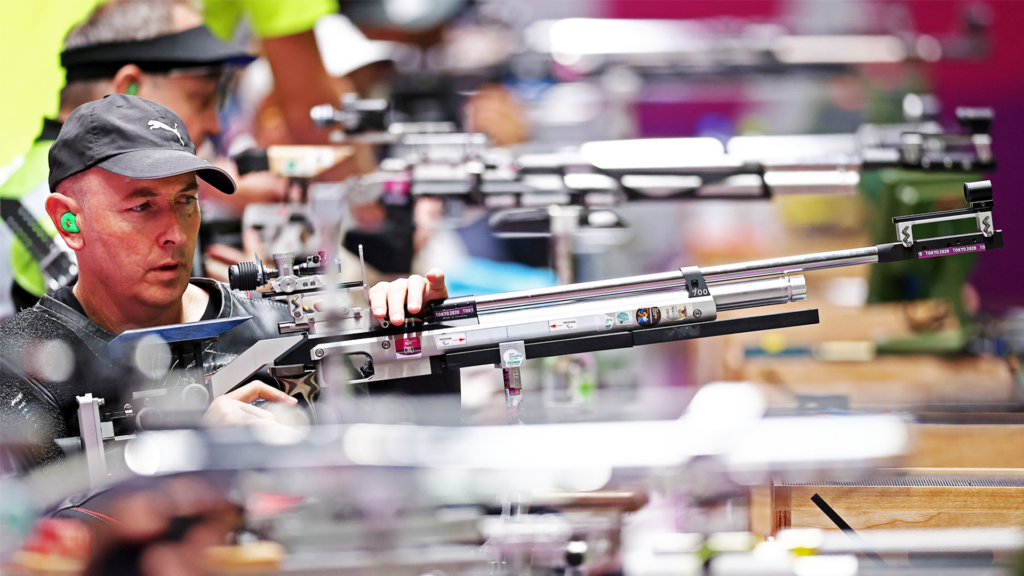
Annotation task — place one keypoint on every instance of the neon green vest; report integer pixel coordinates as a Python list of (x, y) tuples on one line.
[(25, 184)]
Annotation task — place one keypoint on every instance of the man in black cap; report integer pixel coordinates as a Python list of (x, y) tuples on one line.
[(123, 176)]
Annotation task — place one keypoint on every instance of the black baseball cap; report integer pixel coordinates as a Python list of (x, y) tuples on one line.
[(132, 137)]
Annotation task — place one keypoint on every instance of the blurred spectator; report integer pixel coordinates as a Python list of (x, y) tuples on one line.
[(289, 45), (172, 75)]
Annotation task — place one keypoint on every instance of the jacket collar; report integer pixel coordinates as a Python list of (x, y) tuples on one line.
[(96, 337)]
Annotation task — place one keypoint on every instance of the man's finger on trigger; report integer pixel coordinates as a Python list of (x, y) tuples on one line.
[(265, 391), (250, 392), (379, 299), (256, 390), (242, 393), (396, 301), (275, 395), (417, 286)]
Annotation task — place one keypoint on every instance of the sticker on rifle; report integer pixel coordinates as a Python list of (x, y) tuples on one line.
[(952, 250), (559, 325), (450, 340), (675, 312), (514, 358), (623, 318), (408, 347), (455, 313), (606, 323), (648, 316)]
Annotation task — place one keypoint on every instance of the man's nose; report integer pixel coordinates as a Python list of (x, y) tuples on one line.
[(172, 231)]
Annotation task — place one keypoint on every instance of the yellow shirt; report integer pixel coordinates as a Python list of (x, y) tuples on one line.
[(269, 18), (32, 33), (31, 36)]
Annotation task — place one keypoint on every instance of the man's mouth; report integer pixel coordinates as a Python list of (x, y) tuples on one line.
[(172, 267)]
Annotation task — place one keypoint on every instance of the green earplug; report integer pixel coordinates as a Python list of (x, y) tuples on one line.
[(67, 222)]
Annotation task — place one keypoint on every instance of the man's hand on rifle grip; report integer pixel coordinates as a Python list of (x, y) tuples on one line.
[(235, 408)]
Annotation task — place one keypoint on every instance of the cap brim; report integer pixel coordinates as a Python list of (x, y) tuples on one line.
[(194, 47), (152, 164), (204, 49)]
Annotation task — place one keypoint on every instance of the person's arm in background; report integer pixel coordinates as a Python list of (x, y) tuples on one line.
[(494, 111), (285, 29), (301, 82), (255, 187)]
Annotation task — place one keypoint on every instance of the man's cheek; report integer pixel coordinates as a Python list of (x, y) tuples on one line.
[(116, 230), (193, 235), (119, 268)]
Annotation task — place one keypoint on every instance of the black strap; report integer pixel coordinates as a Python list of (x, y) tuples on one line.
[(25, 227), (39, 244)]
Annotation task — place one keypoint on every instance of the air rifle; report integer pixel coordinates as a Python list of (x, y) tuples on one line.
[(432, 159), (525, 189), (499, 329), (508, 328), (745, 167)]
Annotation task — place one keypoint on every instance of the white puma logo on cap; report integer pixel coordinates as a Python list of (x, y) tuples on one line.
[(159, 124)]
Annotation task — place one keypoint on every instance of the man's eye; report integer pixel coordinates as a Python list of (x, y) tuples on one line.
[(190, 200), (141, 207)]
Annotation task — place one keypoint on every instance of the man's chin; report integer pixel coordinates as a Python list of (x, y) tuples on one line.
[(163, 294)]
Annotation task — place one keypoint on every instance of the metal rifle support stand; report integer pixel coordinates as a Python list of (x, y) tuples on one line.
[(513, 355), (565, 220), (330, 203), (91, 430)]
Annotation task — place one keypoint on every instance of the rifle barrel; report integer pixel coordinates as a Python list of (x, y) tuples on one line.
[(665, 281), (790, 264)]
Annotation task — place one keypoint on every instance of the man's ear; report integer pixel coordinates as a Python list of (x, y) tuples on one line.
[(57, 205), (128, 80)]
